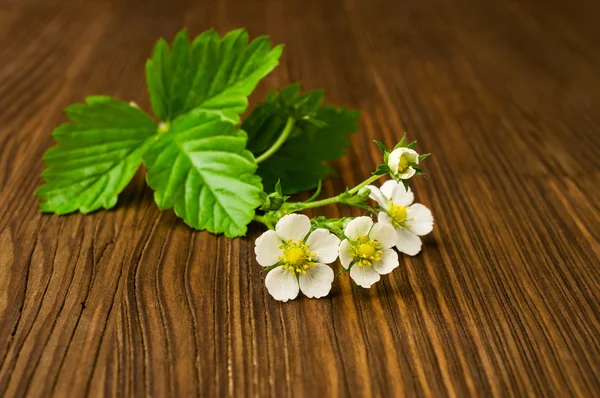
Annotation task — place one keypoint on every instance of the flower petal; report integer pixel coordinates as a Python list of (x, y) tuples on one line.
[(419, 219), (358, 227), (346, 255), (282, 284), (410, 171), (293, 226), (394, 159), (388, 187), (324, 244), (412, 155), (403, 196), (317, 281), (267, 248), (378, 196), (384, 233), (389, 261), (364, 276), (396, 193), (408, 242), (384, 218)]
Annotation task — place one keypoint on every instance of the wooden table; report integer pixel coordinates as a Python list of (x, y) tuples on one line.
[(503, 301)]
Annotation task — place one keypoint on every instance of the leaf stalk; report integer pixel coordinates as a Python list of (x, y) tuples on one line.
[(285, 133)]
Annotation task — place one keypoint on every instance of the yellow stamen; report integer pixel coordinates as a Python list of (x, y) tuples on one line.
[(366, 251), (403, 162), (297, 257), (397, 214)]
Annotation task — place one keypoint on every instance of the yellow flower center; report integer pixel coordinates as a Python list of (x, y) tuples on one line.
[(366, 251), (398, 214), (297, 257), (403, 162)]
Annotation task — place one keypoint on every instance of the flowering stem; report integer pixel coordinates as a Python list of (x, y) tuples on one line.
[(289, 125), (363, 184), (334, 199)]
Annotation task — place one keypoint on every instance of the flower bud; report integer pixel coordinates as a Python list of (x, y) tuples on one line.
[(401, 162), (273, 201)]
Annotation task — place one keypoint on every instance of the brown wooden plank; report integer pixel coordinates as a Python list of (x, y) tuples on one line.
[(503, 301)]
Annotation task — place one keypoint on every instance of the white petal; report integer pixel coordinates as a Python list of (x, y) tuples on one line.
[(396, 154), (389, 261), (364, 276), (267, 248), (402, 196), (317, 281), (282, 284), (388, 187), (384, 233), (410, 171), (346, 255), (293, 226), (378, 197), (324, 244), (412, 156), (408, 242), (419, 219), (358, 227), (394, 159), (384, 218)]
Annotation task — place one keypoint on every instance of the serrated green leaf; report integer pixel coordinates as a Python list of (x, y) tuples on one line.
[(96, 156), (300, 162), (202, 169), (267, 120), (211, 73)]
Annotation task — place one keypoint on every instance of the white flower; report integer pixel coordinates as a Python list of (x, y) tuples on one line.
[(401, 161), (410, 220), (368, 250), (301, 260)]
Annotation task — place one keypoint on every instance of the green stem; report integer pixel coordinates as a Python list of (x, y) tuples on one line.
[(263, 220), (317, 203), (334, 199), (365, 183), (289, 125)]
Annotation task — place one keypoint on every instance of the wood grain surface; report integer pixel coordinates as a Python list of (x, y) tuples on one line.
[(503, 301)]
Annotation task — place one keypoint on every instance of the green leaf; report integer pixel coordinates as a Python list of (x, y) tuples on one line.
[(267, 120), (319, 135), (278, 188), (382, 169), (402, 142), (96, 156), (412, 145), (381, 146), (211, 73), (423, 156), (202, 169)]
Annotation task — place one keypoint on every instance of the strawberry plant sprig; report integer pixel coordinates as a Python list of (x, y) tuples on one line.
[(219, 172)]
